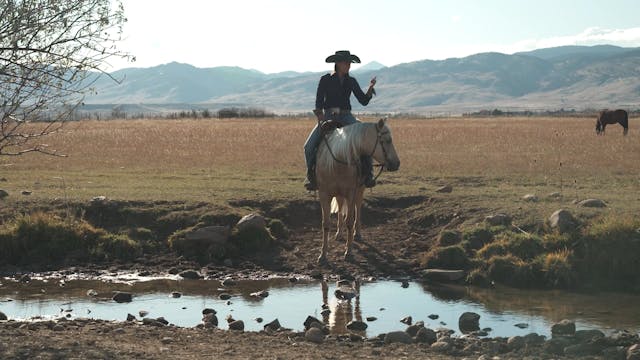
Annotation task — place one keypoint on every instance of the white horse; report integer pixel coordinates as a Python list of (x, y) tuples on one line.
[(339, 175)]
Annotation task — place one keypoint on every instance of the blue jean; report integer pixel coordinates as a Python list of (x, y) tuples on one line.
[(311, 145)]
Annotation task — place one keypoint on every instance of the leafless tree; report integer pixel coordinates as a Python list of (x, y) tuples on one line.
[(51, 53)]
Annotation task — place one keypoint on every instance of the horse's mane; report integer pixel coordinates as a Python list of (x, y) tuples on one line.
[(344, 143)]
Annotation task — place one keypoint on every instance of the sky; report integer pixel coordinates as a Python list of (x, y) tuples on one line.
[(297, 35)]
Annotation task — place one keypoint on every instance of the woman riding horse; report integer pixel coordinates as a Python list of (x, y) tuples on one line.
[(332, 103)]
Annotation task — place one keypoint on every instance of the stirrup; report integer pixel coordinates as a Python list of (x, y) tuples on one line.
[(369, 182), (310, 185)]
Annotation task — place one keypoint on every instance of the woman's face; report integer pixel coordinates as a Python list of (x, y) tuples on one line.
[(343, 66)]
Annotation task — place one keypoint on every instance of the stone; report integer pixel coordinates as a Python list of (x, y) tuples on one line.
[(206, 311), (228, 282), (176, 295), (440, 346), (407, 320), (190, 274), (26, 192), (530, 197), (3, 193), (310, 320), (237, 325), (273, 325), (355, 325), (314, 335), (433, 316), (445, 189), (397, 337), (3, 316), (563, 328), (426, 336), (469, 322), (583, 349), (92, 293), (443, 275), (633, 352), (131, 317), (597, 203), (224, 296), (588, 335), (563, 221), (498, 219), (210, 320), (143, 313), (209, 235), (515, 343), (252, 220), (260, 294), (122, 297), (412, 330)]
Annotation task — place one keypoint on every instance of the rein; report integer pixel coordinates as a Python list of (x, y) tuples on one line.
[(384, 152)]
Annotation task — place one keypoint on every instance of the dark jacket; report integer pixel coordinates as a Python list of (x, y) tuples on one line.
[(332, 94)]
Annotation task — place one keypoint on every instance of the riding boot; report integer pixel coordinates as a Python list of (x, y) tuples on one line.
[(310, 182), (367, 170)]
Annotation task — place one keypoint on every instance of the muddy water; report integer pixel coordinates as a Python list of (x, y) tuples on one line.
[(386, 301)]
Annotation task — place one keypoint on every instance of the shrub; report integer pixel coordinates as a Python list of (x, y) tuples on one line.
[(477, 237), (490, 250), (449, 237), (448, 257), (45, 238), (116, 246), (513, 271), (523, 246), (608, 252), (557, 269)]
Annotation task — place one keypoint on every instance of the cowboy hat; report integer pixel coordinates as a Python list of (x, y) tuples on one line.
[(343, 55)]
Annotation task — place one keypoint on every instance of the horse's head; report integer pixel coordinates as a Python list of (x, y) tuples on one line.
[(384, 151), (598, 125)]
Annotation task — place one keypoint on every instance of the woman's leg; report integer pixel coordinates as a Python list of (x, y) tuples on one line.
[(310, 149)]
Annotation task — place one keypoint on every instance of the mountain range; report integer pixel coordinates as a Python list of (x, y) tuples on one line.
[(568, 77)]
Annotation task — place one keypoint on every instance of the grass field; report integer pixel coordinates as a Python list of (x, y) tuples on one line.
[(490, 163), (492, 159)]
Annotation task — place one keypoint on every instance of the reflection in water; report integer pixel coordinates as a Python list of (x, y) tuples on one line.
[(342, 311), (499, 308)]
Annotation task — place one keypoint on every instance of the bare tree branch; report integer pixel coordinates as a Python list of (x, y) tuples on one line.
[(51, 54)]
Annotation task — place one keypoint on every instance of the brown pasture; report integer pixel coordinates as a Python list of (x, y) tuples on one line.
[(250, 154)]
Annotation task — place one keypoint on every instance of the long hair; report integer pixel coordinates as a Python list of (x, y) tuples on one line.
[(344, 144)]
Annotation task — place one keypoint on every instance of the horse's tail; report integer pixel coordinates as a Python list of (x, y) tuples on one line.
[(335, 207)]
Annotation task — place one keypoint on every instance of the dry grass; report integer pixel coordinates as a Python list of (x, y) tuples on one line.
[(195, 158)]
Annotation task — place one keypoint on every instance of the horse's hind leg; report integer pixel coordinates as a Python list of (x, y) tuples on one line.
[(341, 215), (325, 204), (350, 227)]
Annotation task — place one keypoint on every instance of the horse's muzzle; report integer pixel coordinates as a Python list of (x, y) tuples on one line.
[(392, 166)]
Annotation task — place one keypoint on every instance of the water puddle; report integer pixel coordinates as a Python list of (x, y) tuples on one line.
[(291, 302)]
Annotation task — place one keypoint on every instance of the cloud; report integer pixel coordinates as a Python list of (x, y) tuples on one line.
[(590, 36)]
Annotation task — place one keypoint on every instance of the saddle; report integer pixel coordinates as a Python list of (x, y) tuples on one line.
[(328, 126)]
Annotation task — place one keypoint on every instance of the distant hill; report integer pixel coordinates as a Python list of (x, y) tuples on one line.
[(569, 77)]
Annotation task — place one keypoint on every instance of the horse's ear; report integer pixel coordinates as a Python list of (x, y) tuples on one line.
[(381, 122)]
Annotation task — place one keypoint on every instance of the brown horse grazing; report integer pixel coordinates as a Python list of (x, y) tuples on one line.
[(339, 175), (611, 117)]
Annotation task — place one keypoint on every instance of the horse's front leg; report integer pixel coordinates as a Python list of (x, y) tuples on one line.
[(350, 226), (325, 205), (358, 214)]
